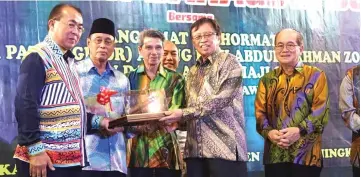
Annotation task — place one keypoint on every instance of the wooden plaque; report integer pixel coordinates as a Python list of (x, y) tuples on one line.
[(136, 119)]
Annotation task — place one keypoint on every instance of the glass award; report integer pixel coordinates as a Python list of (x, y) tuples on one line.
[(142, 107)]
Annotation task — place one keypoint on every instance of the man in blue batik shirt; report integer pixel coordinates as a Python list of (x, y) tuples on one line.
[(106, 152)]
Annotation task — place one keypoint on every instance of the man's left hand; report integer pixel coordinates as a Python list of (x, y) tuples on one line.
[(172, 116), (290, 135)]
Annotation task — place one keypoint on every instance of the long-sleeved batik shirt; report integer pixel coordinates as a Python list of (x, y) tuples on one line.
[(350, 109), (214, 112), (157, 149), (104, 153), (299, 100)]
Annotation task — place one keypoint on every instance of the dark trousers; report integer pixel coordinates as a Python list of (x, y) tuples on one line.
[(199, 167), (89, 173), (23, 170), (291, 170), (154, 172), (356, 171)]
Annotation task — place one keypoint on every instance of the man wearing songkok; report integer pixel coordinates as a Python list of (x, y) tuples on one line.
[(106, 152), (49, 105), (350, 111), (216, 139), (154, 150), (292, 110)]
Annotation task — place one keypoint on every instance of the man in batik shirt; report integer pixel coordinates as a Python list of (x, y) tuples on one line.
[(291, 111), (170, 60), (106, 152), (350, 108), (154, 150), (216, 140)]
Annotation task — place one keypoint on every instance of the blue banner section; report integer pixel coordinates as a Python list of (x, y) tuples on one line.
[(331, 30)]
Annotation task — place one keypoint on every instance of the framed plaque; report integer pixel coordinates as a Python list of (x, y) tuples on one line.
[(142, 107), (135, 107), (113, 108)]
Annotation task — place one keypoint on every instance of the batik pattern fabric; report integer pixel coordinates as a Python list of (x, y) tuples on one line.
[(61, 110), (157, 149), (350, 110), (214, 109), (104, 153), (299, 100)]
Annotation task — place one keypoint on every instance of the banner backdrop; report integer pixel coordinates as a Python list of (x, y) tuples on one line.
[(331, 30)]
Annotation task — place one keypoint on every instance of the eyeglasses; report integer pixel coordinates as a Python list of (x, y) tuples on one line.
[(289, 46), (204, 35), (72, 25), (107, 41)]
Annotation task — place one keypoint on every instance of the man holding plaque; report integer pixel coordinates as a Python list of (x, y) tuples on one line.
[(216, 140), (170, 60), (49, 106), (105, 151), (154, 150)]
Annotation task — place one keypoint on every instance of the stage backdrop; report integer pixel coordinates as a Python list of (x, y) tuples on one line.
[(331, 30)]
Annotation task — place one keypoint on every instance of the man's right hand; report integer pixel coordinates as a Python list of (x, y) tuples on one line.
[(39, 163), (172, 116), (106, 131)]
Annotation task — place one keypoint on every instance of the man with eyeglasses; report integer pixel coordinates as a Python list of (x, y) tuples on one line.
[(49, 108), (106, 151), (292, 109), (216, 139), (154, 151)]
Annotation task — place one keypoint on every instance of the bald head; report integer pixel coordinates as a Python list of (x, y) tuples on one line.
[(170, 58)]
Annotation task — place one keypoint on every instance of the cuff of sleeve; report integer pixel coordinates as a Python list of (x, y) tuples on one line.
[(129, 132), (265, 132), (303, 128), (36, 148), (129, 135), (188, 113), (96, 120), (355, 122)]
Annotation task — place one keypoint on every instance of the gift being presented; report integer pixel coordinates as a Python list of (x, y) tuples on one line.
[(135, 107), (108, 103), (142, 107)]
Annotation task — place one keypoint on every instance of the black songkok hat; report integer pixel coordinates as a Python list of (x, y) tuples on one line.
[(103, 25)]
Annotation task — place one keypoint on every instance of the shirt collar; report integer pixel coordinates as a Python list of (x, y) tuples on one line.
[(298, 68), (68, 56), (161, 70), (210, 59), (89, 66)]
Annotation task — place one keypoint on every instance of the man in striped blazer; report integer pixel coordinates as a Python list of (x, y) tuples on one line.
[(49, 106)]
